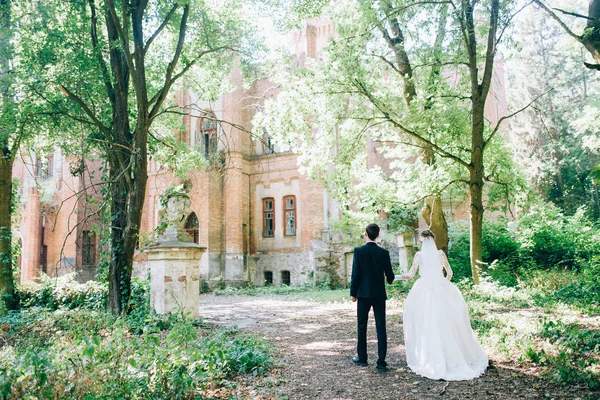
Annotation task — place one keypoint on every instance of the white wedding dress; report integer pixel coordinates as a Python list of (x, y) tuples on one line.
[(439, 340)]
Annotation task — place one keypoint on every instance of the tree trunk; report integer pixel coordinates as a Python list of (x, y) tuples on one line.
[(126, 215), (476, 221), (434, 216), (119, 286), (476, 174), (591, 39), (128, 163), (7, 286), (432, 210), (479, 92)]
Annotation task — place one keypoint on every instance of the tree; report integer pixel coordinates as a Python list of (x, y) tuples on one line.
[(20, 116), (354, 93), (556, 135), (9, 144), (394, 38), (590, 38), (116, 63)]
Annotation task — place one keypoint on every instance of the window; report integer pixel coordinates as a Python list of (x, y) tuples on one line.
[(45, 166), (267, 142), (268, 217), (268, 278), (44, 259), (205, 138), (289, 209), (192, 227), (285, 278), (88, 249)]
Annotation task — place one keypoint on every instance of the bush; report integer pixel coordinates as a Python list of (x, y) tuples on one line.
[(543, 239), (574, 361), (71, 354), (458, 250), (500, 249), (64, 292), (551, 240)]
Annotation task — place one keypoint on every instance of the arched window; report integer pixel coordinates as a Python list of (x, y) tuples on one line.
[(45, 166), (285, 278), (289, 210), (268, 217), (88, 249), (268, 278), (267, 142), (206, 136), (192, 227)]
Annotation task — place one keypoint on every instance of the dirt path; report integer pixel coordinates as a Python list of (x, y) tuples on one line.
[(314, 343)]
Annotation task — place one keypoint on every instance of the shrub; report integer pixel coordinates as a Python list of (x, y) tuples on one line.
[(574, 362), (53, 293), (71, 354), (551, 240), (500, 249), (458, 250)]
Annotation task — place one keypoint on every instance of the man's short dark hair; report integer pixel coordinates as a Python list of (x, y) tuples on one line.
[(372, 231)]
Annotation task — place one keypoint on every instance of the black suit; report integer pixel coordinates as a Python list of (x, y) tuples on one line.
[(370, 268)]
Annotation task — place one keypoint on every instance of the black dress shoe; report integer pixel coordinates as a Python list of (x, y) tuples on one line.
[(382, 368), (359, 362)]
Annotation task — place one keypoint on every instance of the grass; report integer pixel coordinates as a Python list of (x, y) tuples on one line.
[(86, 354), (530, 325), (303, 292)]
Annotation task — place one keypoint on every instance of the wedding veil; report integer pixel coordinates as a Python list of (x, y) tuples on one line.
[(431, 263)]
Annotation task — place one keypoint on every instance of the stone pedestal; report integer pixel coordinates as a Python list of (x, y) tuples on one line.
[(175, 277), (407, 248), (174, 262)]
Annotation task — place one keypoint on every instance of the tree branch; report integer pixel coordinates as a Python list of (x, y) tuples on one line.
[(561, 23), (124, 41), (404, 129), (85, 108), (592, 66), (509, 19), (161, 27), (162, 94), (438, 192), (485, 143), (94, 34), (576, 15), (490, 52), (468, 31)]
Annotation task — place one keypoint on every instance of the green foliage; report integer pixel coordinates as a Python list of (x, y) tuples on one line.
[(401, 218), (266, 290), (574, 362), (582, 290), (64, 292), (458, 250), (552, 240), (559, 136), (544, 238), (564, 351), (80, 352)]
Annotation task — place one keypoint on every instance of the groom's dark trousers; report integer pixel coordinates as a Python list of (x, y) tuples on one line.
[(371, 267), (362, 312)]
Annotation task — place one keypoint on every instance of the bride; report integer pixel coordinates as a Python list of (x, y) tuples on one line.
[(439, 340)]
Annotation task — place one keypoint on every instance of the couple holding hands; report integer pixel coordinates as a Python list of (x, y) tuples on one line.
[(438, 338)]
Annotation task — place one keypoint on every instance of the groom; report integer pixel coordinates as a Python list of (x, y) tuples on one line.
[(370, 267)]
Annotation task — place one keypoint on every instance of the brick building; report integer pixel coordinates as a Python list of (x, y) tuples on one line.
[(259, 218)]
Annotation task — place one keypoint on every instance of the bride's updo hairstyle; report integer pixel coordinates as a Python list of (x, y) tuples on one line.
[(427, 234)]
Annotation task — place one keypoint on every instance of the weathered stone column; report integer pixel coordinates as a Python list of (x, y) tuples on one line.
[(407, 248), (174, 262)]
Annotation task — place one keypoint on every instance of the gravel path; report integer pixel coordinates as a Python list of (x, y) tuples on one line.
[(314, 343)]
